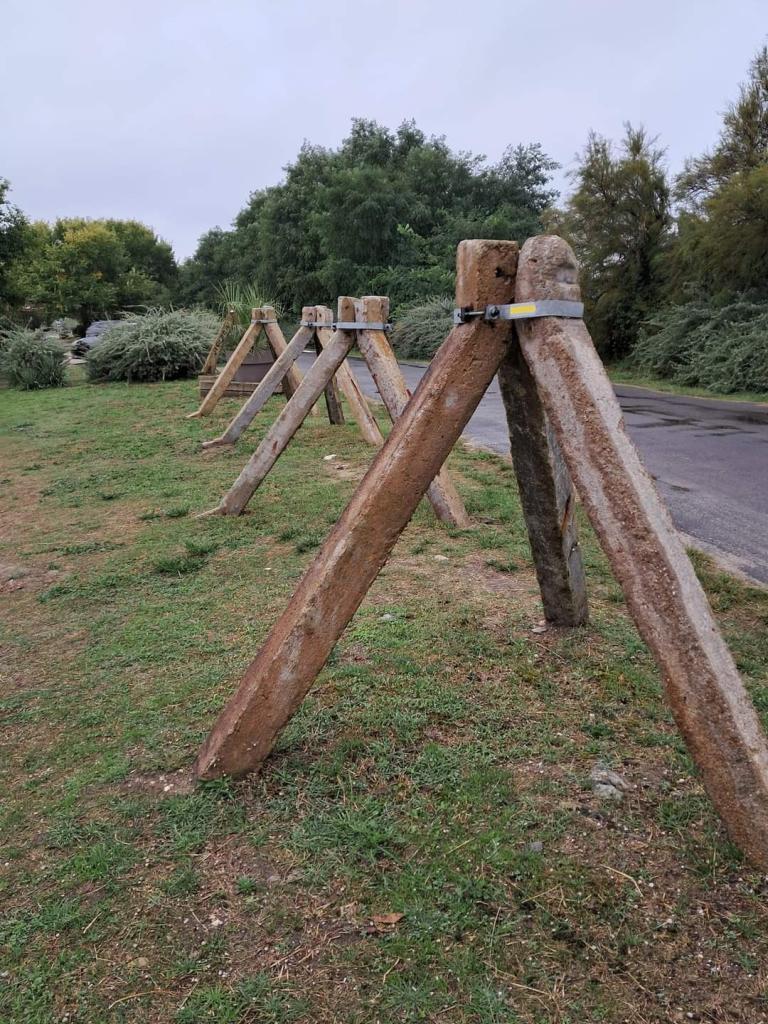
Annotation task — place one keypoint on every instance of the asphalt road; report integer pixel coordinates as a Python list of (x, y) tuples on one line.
[(709, 459)]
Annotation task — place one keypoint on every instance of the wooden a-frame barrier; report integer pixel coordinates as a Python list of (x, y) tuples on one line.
[(315, 329), (331, 364), (263, 318), (547, 362)]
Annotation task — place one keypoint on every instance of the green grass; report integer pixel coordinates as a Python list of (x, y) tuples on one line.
[(621, 374), (438, 770)]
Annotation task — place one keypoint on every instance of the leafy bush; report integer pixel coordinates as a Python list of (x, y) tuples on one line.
[(699, 345), (30, 361), (158, 345), (421, 328)]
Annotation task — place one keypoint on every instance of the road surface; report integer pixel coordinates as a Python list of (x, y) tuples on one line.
[(709, 459)]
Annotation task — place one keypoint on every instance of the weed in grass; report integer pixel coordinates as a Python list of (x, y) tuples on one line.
[(183, 882), (201, 548), (178, 565), (257, 999)]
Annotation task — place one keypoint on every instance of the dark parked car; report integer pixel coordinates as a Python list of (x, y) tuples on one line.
[(93, 336)]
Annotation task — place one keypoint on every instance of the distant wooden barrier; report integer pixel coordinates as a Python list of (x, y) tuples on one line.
[(354, 318)]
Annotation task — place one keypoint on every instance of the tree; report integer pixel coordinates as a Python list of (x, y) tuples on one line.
[(743, 142), (384, 211), (212, 263), (14, 239), (618, 220), (721, 248), (95, 268)]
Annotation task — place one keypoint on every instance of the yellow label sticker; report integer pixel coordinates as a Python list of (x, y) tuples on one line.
[(523, 307)]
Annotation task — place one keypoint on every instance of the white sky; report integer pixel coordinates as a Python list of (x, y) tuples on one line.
[(172, 111)]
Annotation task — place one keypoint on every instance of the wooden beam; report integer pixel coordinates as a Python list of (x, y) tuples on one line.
[(212, 359), (345, 378), (267, 387), (546, 496), (233, 364), (708, 699), (358, 546), (294, 377), (388, 377), (332, 398)]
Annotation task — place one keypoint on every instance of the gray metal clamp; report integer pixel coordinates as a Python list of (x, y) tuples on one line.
[(522, 311)]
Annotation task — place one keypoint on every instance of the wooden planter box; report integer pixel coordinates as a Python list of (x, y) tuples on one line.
[(254, 368)]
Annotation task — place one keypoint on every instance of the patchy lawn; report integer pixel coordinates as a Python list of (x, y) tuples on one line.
[(425, 843)]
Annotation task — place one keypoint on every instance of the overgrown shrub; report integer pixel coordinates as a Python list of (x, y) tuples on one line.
[(699, 345), (420, 328), (30, 361), (157, 345)]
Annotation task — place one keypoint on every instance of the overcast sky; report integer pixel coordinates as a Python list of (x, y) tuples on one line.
[(172, 111)]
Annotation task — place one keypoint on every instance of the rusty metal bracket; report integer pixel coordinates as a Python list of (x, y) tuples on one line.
[(353, 325), (522, 311), (263, 321)]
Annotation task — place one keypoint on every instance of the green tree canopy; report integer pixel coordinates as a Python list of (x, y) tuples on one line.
[(618, 220), (722, 244), (743, 142), (94, 268), (382, 212), (14, 240)]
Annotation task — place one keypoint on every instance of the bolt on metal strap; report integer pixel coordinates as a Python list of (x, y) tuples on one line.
[(522, 311), (352, 325)]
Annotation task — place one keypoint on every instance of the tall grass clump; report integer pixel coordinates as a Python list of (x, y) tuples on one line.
[(420, 328), (157, 345), (30, 361), (243, 298), (721, 348)]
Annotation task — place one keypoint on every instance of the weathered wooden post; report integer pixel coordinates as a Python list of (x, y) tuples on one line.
[(358, 546), (211, 360), (332, 398), (664, 597), (276, 341), (349, 387), (390, 384), (546, 496)]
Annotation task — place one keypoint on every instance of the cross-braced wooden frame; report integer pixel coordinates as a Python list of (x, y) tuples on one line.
[(331, 364), (263, 318), (552, 363)]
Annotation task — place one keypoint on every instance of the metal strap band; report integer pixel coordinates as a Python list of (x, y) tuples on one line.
[(522, 311), (263, 321), (344, 325)]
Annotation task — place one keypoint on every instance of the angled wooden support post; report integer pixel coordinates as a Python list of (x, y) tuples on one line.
[(271, 382), (332, 397), (285, 426), (546, 496), (294, 376), (664, 597), (390, 383), (350, 388), (212, 359), (233, 364), (358, 546)]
